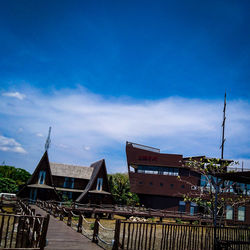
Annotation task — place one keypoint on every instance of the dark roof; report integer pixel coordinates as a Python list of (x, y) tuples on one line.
[(73, 171)]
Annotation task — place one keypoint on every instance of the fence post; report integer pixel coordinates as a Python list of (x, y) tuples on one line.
[(117, 235), (69, 219), (61, 214), (79, 226), (33, 211), (20, 228), (96, 231), (42, 242)]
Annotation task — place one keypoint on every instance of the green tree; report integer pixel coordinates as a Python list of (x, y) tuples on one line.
[(18, 175), (8, 185), (120, 189)]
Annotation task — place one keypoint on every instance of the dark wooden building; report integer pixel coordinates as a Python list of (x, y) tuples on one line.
[(161, 180), (55, 181)]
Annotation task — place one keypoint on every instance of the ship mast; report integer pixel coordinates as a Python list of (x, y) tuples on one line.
[(48, 141), (223, 128)]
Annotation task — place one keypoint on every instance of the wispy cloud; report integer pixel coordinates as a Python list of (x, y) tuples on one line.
[(9, 144), (82, 121), (17, 95)]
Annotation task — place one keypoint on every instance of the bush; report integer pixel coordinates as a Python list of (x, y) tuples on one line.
[(178, 221), (196, 222)]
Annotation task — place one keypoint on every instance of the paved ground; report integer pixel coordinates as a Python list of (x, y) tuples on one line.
[(60, 236)]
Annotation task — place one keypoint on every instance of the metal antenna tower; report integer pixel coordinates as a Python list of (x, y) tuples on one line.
[(223, 127), (47, 144)]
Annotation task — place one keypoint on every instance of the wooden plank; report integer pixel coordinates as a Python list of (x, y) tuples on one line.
[(128, 238), (117, 235), (12, 231), (136, 234), (132, 236), (123, 235), (150, 237), (7, 231), (1, 228), (146, 236)]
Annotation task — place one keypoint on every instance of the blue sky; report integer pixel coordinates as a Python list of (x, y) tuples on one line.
[(103, 72)]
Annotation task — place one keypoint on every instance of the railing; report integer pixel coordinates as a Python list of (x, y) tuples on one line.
[(145, 235), (23, 231), (93, 230), (140, 235), (140, 146), (24, 208), (125, 211)]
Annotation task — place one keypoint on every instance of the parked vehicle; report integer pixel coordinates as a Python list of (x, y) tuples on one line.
[(7, 197)]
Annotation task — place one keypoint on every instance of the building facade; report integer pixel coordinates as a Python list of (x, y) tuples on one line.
[(161, 181), (55, 181)]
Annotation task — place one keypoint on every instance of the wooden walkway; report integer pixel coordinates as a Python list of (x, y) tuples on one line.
[(60, 236)]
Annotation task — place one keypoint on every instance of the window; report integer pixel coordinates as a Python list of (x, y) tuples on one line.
[(203, 181), (33, 194), (182, 186), (182, 206), (140, 182), (151, 183), (158, 170), (248, 189), (229, 212), (193, 208), (161, 184), (41, 178), (241, 213), (69, 182), (99, 184), (171, 185)]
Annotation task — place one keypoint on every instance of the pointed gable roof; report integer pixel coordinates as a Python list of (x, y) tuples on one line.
[(96, 166), (43, 162)]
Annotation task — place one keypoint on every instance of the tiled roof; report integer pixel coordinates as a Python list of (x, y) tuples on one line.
[(65, 170)]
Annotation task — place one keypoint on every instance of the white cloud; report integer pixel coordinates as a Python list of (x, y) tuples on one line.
[(39, 135), (20, 130), (176, 125), (9, 144), (15, 95)]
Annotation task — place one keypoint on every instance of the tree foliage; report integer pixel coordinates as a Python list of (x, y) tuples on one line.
[(7, 185), (120, 189), (10, 175)]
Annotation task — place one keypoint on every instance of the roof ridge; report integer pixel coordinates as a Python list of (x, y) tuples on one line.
[(66, 164)]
